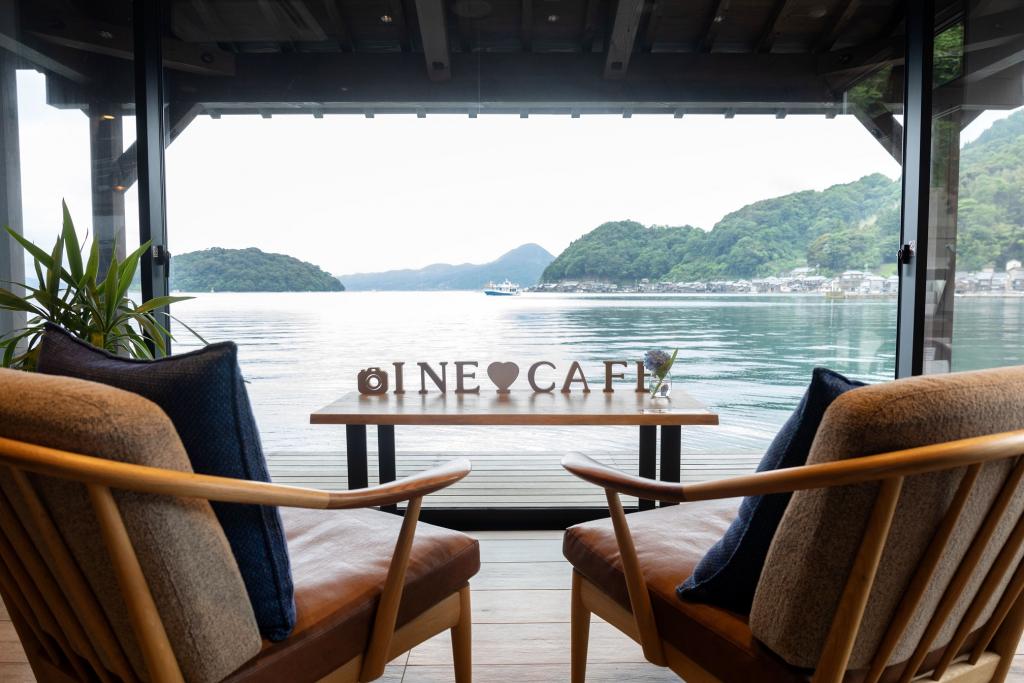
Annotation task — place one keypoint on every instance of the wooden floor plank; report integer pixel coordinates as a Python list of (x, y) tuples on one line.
[(544, 673), (546, 643), (521, 550), (512, 576), (521, 606)]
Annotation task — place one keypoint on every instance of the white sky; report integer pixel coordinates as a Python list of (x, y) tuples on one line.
[(353, 194)]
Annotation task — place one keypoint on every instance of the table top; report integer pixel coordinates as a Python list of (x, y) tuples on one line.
[(623, 407)]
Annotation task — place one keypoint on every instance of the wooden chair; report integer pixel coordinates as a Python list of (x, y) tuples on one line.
[(899, 566), (69, 634)]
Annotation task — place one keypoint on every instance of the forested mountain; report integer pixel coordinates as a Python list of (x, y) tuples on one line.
[(248, 270), (849, 226), (523, 265), (852, 224), (990, 225)]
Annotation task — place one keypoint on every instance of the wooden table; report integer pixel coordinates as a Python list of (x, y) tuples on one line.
[(596, 408)]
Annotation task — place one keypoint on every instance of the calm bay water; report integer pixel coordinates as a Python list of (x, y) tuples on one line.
[(747, 357)]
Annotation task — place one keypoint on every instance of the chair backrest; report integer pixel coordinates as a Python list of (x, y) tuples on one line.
[(951, 550), (56, 574)]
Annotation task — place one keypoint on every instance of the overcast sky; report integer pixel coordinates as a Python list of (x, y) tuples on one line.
[(353, 194)]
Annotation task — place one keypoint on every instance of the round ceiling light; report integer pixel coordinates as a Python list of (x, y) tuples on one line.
[(386, 19)]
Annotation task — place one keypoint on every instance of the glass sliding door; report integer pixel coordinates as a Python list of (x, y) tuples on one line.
[(974, 290)]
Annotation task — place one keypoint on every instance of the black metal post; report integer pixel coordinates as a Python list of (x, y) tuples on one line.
[(671, 453), (150, 136), (386, 458), (917, 135), (355, 441), (648, 458)]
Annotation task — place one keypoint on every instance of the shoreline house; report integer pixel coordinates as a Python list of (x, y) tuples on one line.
[(141, 538)]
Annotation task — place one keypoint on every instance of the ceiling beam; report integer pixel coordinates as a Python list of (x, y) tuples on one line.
[(116, 41), (434, 35), (623, 36), (771, 31), (714, 21), (884, 128), (44, 58), (179, 116), (840, 20)]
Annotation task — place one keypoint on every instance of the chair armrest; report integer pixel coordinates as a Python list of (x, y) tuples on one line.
[(856, 470), (118, 475)]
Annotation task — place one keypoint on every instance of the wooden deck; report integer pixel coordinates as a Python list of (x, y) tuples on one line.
[(499, 480), (520, 626)]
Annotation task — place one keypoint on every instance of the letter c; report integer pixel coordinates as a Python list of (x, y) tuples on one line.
[(532, 377)]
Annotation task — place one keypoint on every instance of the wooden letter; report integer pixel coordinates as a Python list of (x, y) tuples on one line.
[(399, 389), (641, 375), (571, 377), (609, 375), (372, 381), (503, 375), (532, 377), (461, 376), (441, 382)]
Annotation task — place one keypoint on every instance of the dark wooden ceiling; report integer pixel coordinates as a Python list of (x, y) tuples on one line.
[(576, 57)]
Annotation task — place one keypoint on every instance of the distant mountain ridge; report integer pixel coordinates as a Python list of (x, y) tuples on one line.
[(523, 264), (248, 270)]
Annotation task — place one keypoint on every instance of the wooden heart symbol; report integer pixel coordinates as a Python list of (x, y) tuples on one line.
[(503, 375)]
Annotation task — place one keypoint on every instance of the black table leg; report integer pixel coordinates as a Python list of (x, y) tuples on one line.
[(648, 458), (355, 438), (386, 458), (671, 453)]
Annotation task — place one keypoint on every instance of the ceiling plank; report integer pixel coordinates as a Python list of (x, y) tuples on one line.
[(840, 20), (713, 22), (526, 25), (623, 36), (340, 25), (434, 34), (771, 31)]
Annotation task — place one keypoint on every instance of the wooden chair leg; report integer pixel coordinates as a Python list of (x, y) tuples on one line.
[(462, 639), (580, 632)]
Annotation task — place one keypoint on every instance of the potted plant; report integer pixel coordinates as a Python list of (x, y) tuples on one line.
[(93, 306)]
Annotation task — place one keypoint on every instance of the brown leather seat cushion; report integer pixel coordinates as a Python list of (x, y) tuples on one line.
[(669, 543), (340, 559)]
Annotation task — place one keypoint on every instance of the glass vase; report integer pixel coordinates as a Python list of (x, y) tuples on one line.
[(661, 387)]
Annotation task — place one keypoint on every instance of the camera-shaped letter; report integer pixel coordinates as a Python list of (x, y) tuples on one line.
[(372, 381)]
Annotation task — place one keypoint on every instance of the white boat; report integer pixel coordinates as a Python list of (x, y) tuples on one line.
[(505, 288)]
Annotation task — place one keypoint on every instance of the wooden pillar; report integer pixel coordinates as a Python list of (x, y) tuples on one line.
[(12, 257), (108, 219)]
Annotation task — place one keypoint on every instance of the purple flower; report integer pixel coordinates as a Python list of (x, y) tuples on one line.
[(656, 360)]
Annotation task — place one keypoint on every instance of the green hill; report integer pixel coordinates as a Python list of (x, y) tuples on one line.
[(248, 270), (849, 226)]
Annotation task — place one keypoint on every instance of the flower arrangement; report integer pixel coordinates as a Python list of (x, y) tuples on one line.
[(659, 364)]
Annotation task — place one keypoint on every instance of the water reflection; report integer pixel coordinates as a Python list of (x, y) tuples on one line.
[(748, 357)]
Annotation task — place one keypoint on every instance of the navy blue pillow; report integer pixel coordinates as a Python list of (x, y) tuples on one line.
[(204, 395), (728, 573)]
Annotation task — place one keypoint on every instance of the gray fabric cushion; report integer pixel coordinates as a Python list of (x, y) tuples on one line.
[(813, 550), (181, 547)]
